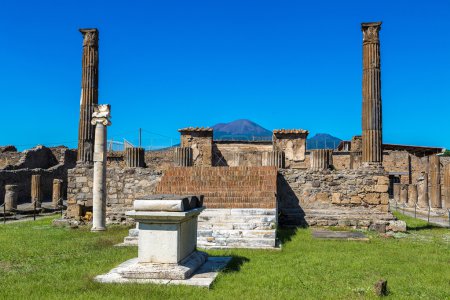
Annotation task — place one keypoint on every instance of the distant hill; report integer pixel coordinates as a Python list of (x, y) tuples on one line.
[(246, 130), (241, 130), (322, 141)]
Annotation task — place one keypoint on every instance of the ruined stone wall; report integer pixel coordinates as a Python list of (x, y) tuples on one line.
[(361, 195), (22, 178), (201, 143), (235, 154), (123, 186)]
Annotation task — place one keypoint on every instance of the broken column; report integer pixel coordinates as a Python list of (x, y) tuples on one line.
[(100, 118), (274, 158), (183, 156), (422, 191), (404, 193), (36, 191), (135, 157), (11, 194), (320, 159), (435, 182), (447, 186), (56, 192), (89, 94), (412, 195), (372, 152), (200, 140), (396, 192)]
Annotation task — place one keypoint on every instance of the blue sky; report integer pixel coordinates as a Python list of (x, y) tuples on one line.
[(170, 64)]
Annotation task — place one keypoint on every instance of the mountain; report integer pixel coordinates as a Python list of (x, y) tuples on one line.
[(322, 141), (247, 130), (241, 130)]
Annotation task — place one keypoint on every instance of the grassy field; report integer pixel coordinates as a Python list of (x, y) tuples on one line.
[(38, 261)]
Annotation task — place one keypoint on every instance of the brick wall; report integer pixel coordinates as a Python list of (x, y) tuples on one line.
[(224, 187)]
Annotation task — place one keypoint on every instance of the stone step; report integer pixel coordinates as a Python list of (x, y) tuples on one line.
[(211, 243), (237, 219), (219, 233), (236, 226)]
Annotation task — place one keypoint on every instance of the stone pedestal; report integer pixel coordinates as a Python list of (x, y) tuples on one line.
[(11, 194), (100, 119), (56, 192), (36, 191), (412, 195), (166, 244)]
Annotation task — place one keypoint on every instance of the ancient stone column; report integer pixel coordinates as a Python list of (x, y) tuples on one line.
[(100, 118), (11, 194), (320, 159), (183, 156), (36, 190), (404, 193), (422, 190), (135, 157), (372, 152), (89, 94), (396, 191), (435, 184), (447, 186), (412, 195), (274, 158), (56, 193)]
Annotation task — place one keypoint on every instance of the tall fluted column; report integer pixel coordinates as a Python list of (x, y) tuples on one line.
[(36, 190), (422, 189), (372, 152), (100, 118), (89, 94), (435, 184)]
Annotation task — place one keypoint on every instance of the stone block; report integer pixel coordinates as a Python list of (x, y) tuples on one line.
[(336, 198), (396, 226)]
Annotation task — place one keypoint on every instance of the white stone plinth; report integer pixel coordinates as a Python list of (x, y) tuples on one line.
[(166, 237)]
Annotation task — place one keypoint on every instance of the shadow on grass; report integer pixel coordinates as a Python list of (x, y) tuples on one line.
[(422, 227), (285, 235), (235, 264)]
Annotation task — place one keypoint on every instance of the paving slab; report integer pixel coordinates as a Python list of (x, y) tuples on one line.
[(339, 235)]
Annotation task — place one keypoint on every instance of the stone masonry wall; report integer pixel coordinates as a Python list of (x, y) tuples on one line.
[(330, 194), (123, 185)]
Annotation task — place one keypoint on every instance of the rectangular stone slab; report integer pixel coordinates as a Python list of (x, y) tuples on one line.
[(161, 205)]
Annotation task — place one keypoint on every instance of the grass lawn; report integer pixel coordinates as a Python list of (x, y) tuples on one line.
[(38, 261)]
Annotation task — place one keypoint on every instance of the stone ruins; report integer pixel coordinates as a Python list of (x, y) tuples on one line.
[(248, 187)]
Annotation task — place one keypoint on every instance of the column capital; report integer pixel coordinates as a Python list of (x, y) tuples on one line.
[(370, 32), (101, 115), (90, 36)]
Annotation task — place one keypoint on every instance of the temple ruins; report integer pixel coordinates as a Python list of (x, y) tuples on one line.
[(249, 188)]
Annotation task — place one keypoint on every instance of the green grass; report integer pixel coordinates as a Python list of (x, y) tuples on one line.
[(38, 261)]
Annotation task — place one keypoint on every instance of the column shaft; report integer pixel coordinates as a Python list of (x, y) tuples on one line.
[(89, 94), (435, 184), (371, 92), (11, 194), (36, 190)]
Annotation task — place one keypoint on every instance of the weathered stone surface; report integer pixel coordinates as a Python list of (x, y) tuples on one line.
[(435, 182), (89, 94), (200, 140), (11, 194), (396, 226), (371, 114)]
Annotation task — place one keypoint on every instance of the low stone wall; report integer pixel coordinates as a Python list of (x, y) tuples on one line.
[(346, 197), (123, 186)]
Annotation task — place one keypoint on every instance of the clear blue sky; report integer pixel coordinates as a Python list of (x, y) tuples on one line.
[(170, 64)]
